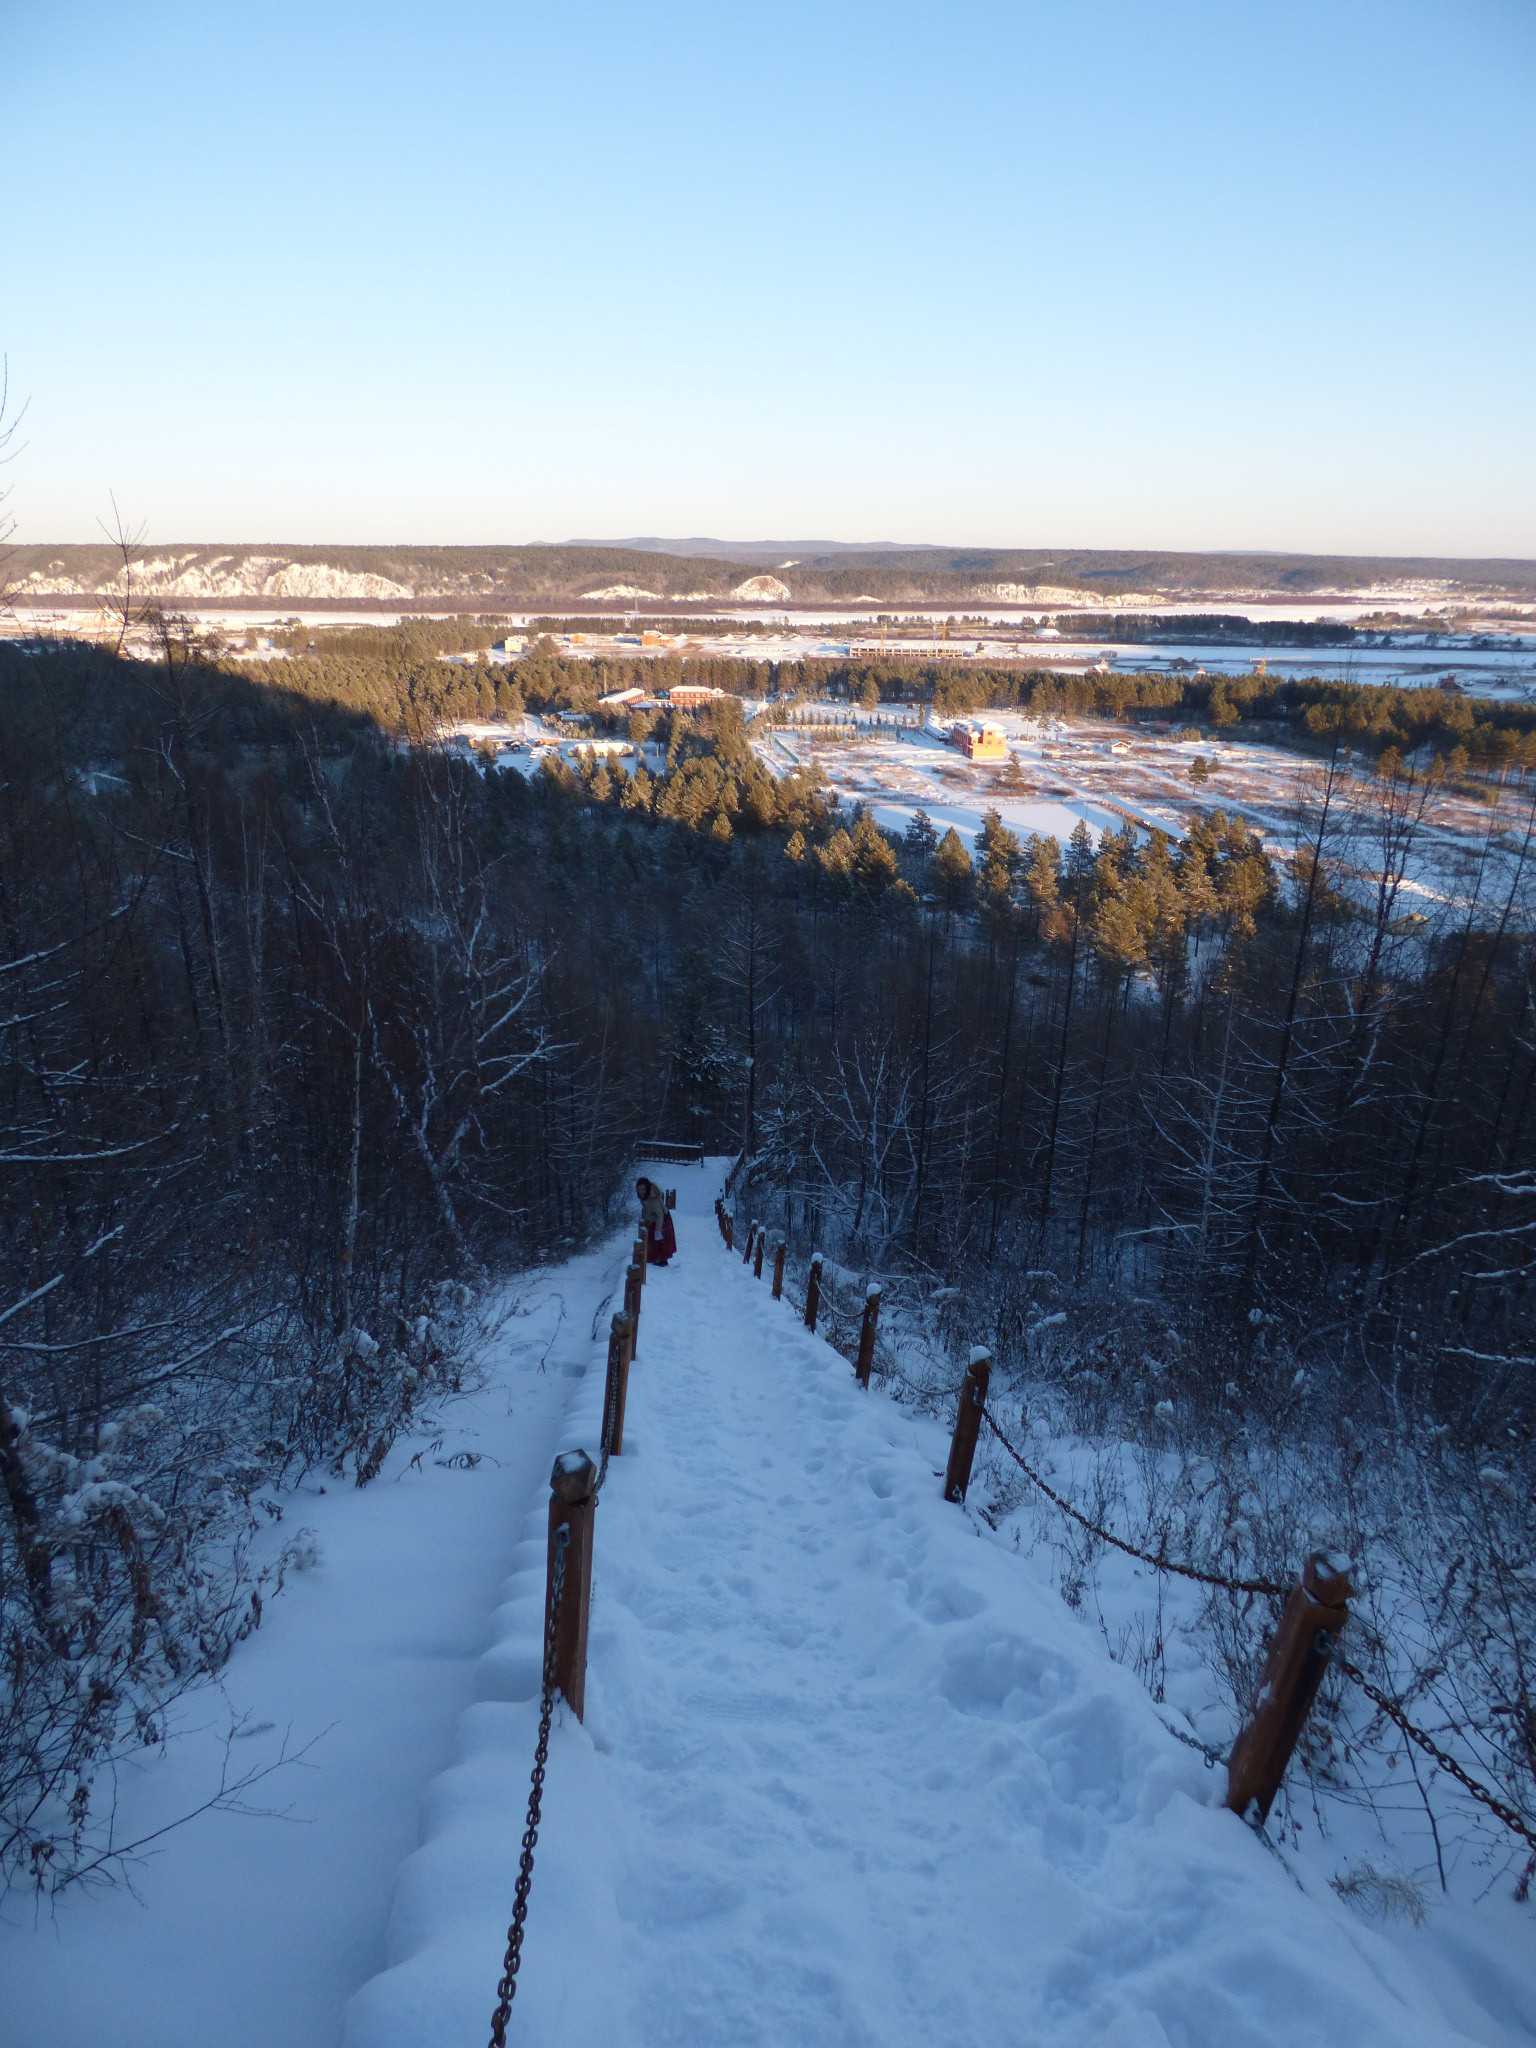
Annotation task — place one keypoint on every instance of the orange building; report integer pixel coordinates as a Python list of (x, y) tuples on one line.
[(979, 742)]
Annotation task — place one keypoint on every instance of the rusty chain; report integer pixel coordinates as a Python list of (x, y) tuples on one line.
[(610, 1387), (1394, 1713), (1432, 1749), (506, 1990), (1161, 1563)]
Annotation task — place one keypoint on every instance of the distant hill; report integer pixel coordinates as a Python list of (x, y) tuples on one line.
[(488, 578), (769, 553)]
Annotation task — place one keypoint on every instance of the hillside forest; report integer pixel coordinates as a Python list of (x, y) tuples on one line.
[(314, 1033), (549, 574)]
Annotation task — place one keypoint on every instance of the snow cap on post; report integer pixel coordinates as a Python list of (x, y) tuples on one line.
[(573, 1478), (1325, 1578)]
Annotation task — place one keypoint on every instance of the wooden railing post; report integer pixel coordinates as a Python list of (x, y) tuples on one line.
[(962, 1447), (867, 1335), (572, 1506), (617, 1393), (634, 1281), (752, 1229), (757, 1260), (642, 1254), (730, 1231), (778, 1268), (1315, 1611), (813, 1293)]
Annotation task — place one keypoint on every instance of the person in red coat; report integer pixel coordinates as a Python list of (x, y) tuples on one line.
[(656, 1220)]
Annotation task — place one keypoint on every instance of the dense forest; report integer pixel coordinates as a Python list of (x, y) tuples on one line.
[(394, 677), (312, 1031)]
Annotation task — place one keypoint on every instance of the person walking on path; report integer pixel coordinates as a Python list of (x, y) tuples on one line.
[(656, 1220)]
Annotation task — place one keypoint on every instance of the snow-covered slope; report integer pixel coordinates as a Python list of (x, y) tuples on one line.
[(205, 575), (251, 1930), (850, 1770)]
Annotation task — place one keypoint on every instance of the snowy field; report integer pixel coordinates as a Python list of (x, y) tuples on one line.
[(1103, 774), (850, 1771), (1495, 657), (1106, 775)]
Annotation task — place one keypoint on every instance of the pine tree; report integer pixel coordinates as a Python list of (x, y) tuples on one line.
[(921, 837), (951, 870)]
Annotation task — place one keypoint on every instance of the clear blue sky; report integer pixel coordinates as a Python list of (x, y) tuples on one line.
[(1186, 275)]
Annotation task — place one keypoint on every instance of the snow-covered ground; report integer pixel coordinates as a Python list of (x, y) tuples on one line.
[(1492, 653), (252, 1932), (850, 1771), (1108, 774)]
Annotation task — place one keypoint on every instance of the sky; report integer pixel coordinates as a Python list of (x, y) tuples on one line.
[(1111, 274)]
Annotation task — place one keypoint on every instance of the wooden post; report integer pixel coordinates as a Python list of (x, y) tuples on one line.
[(1315, 1611), (757, 1263), (962, 1448), (752, 1229), (617, 1392), (634, 1281), (642, 1254), (671, 1198), (778, 1268), (867, 1335), (730, 1231), (573, 1506), (813, 1293)]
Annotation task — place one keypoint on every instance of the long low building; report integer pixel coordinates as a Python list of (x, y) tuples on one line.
[(686, 696), (912, 650)]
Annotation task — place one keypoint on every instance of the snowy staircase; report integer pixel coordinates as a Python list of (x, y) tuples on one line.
[(849, 1772)]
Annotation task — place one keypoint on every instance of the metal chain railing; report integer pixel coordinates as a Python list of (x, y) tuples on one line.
[(1432, 1749), (506, 1990), (1161, 1562), (1389, 1707), (610, 1386)]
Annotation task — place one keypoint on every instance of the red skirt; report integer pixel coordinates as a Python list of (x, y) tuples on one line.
[(659, 1247)]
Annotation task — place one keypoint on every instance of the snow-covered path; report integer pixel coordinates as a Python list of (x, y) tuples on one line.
[(850, 1772)]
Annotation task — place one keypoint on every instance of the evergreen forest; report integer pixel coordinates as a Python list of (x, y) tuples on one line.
[(312, 1030)]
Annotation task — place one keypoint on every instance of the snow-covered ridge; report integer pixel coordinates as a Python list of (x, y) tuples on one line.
[(763, 590), (220, 576)]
